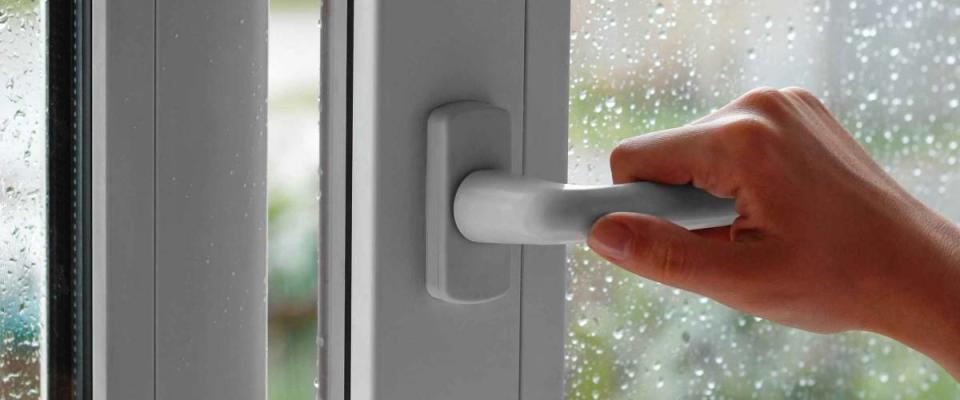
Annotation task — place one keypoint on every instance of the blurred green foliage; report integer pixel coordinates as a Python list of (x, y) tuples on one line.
[(293, 5), (293, 221), (12, 6)]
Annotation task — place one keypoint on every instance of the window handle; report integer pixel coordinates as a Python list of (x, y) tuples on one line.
[(478, 210), (493, 206)]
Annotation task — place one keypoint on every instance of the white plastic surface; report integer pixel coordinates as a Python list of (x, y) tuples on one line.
[(179, 200), (462, 137), (408, 58), (496, 207)]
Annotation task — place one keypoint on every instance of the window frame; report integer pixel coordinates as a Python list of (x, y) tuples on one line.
[(146, 88), (336, 81), (68, 326), (375, 52), (179, 198)]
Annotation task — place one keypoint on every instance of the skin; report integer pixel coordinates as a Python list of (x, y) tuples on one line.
[(826, 241)]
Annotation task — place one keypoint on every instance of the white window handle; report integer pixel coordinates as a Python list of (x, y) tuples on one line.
[(471, 252), (493, 206)]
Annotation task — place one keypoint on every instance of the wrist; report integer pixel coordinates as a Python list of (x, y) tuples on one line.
[(921, 306)]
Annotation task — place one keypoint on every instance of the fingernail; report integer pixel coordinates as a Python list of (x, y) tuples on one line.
[(610, 238)]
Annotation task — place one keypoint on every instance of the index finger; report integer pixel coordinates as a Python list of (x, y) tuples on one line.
[(687, 154)]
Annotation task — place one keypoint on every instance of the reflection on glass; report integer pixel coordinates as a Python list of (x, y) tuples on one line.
[(888, 69), (23, 196), (293, 206)]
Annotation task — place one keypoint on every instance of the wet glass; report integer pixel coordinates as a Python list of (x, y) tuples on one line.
[(293, 190), (888, 69), (23, 197)]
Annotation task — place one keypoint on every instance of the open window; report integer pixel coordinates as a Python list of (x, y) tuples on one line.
[(134, 196), (574, 79)]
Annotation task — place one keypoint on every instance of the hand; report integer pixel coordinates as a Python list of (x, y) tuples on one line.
[(826, 241)]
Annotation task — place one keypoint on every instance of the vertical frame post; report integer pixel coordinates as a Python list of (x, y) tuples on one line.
[(179, 206), (409, 58), (546, 80), (336, 93), (123, 206)]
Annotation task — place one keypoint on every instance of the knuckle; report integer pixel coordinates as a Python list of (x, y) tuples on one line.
[(621, 155), (799, 91), (750, 132), (805, 95), (763, 98), (748, 140)]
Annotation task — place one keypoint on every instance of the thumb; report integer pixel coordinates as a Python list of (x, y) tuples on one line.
[(660, 250)]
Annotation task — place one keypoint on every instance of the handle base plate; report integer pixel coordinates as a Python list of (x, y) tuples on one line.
[(463, 137)]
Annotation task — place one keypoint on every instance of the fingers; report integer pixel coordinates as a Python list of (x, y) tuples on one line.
[(715, 156), (659, 250), (760, 100), (673, 156), (719, 152)]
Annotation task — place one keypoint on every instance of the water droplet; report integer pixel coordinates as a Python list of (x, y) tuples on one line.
[(610, 102)]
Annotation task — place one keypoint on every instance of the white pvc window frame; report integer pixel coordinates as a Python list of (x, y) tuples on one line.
[(179, 199), (387, 64)]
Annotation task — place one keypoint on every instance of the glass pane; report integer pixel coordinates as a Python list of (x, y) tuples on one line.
[(293, 190), (23, 196), (889, 70)]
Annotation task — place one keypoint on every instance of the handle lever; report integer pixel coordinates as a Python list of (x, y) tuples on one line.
[(492, 206), (465, 219)]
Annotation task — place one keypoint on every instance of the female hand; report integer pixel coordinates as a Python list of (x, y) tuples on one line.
[(826, 241)]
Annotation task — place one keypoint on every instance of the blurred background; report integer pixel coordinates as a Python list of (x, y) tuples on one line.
[(23, 197), (887, 68), (293, 185)]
